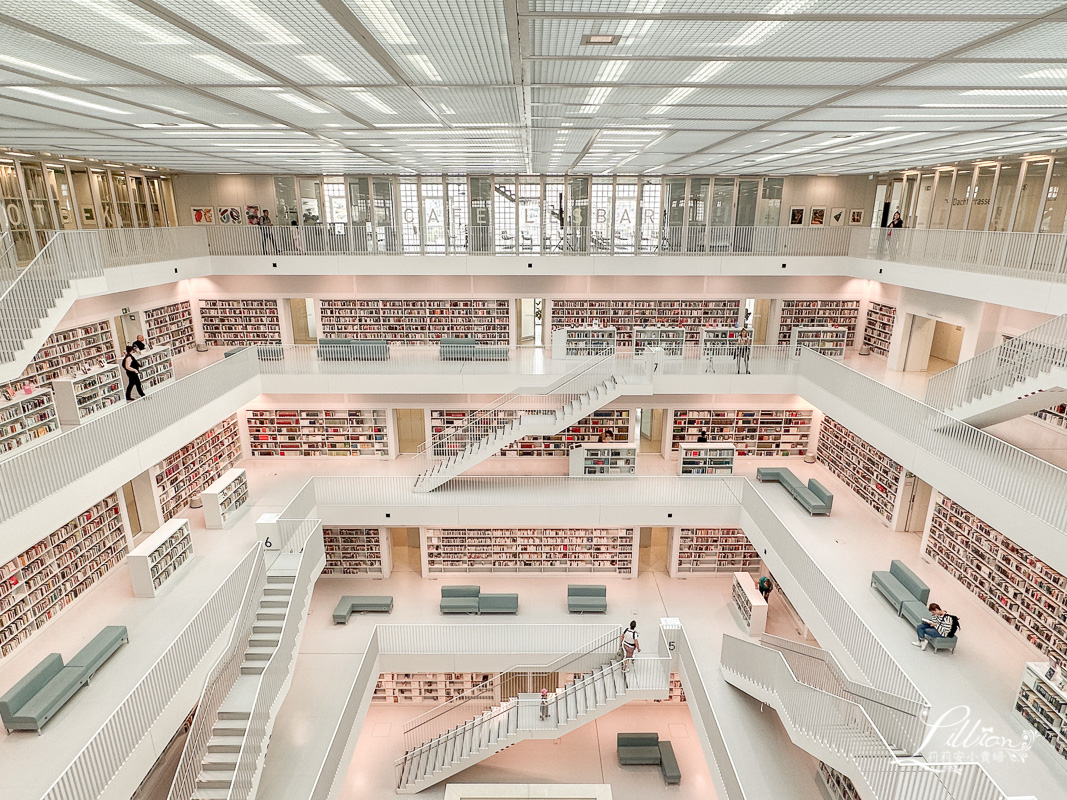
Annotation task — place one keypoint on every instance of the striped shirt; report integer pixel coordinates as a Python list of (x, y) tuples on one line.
[(943, 624)]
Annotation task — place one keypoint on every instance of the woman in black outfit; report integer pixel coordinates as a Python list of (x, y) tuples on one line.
[(133, 373)]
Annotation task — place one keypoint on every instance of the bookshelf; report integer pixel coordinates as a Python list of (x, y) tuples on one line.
[(416, 322), (69, 352), (721, 341), (878, 332), (706, 459), (712, 551), (357, 551), (749, 607), (184, 473), (1027, 594), (288, 432), (224, 498), (155, 560), (26, 419), (837, 786), (157, 367), (400, 688), (236, 323), (583, 342), (40, 582), (672, 340), (818, 314), (80, 398), (529, 550), (1042, 703), (753, 432), (587, 431), (1055, 415), (692, 316), (170, 326), (866, 470), (829, 342), (603, 462)]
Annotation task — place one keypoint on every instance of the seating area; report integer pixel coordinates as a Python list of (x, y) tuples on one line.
[(815, 498), (582, 599), (34, 700), (361, 604), (647, 749), (909, 597), (459, 349), (470, 600), (353, 350)]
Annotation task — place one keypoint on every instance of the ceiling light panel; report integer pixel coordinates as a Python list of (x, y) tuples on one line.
[(292, 106), (388, 105), (910, 7), (977, 74), (476, 104), (50, 62), (1038, 41), (464, 42), (194, 104)]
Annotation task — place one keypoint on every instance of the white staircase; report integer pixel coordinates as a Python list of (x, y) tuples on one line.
[(1020, 376), (581, 392), (587, 697), (840, 733)]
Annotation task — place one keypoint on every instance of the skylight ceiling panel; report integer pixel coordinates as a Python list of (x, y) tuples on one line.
[(1045, 40), (449, 42), (171, 100), (970, 74), (903, 7), (637, 71), (290, 106), (678, 37), (900, 98), (53, 62), (15, 79), (474, 104), (386, 105), (26, 106), (297, 38), (688, 142)]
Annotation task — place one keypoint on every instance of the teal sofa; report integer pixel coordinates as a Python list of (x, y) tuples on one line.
[(498, 604), (470, 600), (361, 604), (353, 350), (34, 700), (581, 599), (461, 349), (815, 498), (900, 585), (647, 749)]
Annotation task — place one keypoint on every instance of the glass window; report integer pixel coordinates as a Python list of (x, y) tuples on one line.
[(140, 204), (62, 200), (288, 209), (481, 215), (310, 208), (697, 218), (625, 214), (103, 191), (384, 216), (942, 199), (333, 188), (1007, 182), (980, 198), (1030, 196), (650, 215), (530, 214), (458, 208), (410, 225), (433, 215), (156, 204), (1052, 217), (961, 196), (15, 213), (359, 214), (122, 198), (924, 204), (553, 215), (578, 214), (37, 194), (83, 195), (600, 214), (769, 209), (505, 210)]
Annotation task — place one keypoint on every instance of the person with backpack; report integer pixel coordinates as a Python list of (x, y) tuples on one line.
[(765, 586), (940, 624), (629, 643)]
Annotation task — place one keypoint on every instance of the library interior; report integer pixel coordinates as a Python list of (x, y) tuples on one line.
[(576, 399)]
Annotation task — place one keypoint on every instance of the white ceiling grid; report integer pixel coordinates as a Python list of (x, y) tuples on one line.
[(428, 86)]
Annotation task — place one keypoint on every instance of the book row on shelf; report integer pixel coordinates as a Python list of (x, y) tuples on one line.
[(224, 498), (228, 323), (160, 556), (416, 321), (612, 423), (753, 432), (530, 550), (878, 332), (26, 418), (838, 786), (69, 352), (866, 470), (170, 326), (1027, 594), (818, 314), (280, 432), (593, 461), (80, 398), (749, 607), (1055, 415), (356, 551), (1042, 702), (185, 472), (690, 316), (711, 551), (706, 459), (44, 579)]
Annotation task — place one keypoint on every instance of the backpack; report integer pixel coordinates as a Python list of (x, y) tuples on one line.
[(765, 584), (955, 626)]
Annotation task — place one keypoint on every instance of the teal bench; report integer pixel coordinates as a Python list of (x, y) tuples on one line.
[(464, 349), (900, 585), (470, 600), (353, 350), (815, 498), (34, 700), (361, 604), (668, 764), (270, 352), (232, 352), (647, 749), (581, 599)]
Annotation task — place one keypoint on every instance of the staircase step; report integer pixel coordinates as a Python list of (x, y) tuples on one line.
[(600, 692), (235, 714), (267, 604), (210, 779), (267, 628), (267, 642), (225, 744), (270, 615), (224, 730), (282, 591), (253, 669), (210, 794), (276, 578), (259, 653), (220, 762)]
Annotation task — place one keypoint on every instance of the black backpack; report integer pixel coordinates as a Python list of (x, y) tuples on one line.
[(955, 625)]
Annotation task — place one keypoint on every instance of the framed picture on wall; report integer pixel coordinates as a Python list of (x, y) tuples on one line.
[(796, 215), (230, 215), (818, 215), (203, 215), (855, 216), (837, 216), (252, 214)]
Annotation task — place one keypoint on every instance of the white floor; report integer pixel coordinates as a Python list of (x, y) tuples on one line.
[(983, 673)]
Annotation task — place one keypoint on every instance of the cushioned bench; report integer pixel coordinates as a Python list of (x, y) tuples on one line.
[(232, 352), (498, 604), (899, 585), (270, 352), (460, 349), (815, 498), (668, 764), (470, 600), (353, 350), (638, 748), (361, 604), (581, 599), (34, 700)]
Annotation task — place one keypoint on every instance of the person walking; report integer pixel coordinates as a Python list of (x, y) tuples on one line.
[(267, 226), (140, 343), (630, 643), (544, 704), (894, 224), (298, 241), (765, 586), (939, 624), (742, 352), (703, 435), (133, 373)]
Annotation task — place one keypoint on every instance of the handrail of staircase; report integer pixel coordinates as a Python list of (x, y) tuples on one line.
[(9, 265), (1027, 355), (442, 717), (475, 422), (835, 723), (218, 684), (278, 668), (900, 720)]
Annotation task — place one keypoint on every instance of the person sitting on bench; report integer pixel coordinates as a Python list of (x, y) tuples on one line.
[(940, 624)]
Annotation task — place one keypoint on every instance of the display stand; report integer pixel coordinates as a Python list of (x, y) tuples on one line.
[(155, 560), (706, 458), (357, 551), (79, 398), (529, 551), (710, 551), (753, 432), (829, 342), (749, 607), (224, 498), (603, 462), (870, 473), (583, 342), (878, 332), (157, 366), (1042, 703), (670, 340), (26, 419)]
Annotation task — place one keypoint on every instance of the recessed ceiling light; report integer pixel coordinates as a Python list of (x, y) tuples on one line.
[(611, 70), (600, 38), (64, 99), (369, 99), (423, 63), (324, 67), (228, 67), (296, 100), (106, 9), (18, 62), (256, 18), (20, 155)]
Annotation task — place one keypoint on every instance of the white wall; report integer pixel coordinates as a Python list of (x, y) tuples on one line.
[(843, 191), (221, 190)]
